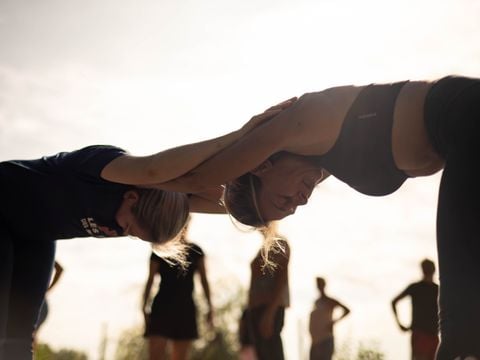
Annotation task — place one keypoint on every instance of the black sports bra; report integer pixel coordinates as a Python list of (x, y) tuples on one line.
[(362, 156)]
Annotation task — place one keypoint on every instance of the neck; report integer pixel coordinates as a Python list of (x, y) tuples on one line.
[(428, 278)]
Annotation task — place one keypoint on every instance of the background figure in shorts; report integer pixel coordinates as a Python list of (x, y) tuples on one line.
[(267, 300), (321, 324), (424, 297), (172, 318)]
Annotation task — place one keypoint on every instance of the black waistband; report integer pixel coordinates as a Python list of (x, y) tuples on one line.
[(438, 102)]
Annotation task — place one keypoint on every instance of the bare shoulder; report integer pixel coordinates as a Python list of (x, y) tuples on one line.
[(316, 119), (333, 101)]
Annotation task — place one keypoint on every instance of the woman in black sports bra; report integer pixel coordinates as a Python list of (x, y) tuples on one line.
[(373, 138)]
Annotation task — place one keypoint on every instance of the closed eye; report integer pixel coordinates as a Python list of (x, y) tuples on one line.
[(284, 204)]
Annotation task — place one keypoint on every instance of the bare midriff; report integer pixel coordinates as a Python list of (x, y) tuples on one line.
[(412, 150)]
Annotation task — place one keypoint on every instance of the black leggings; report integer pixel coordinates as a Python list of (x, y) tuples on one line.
[(452, 113), (25, 270)]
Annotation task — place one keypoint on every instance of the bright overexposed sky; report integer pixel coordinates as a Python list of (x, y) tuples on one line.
[(147, 75)]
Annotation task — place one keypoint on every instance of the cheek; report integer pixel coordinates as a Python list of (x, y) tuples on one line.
[(273, 193), (281, 185)]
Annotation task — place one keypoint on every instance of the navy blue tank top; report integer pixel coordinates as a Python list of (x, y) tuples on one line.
[(362, 156)]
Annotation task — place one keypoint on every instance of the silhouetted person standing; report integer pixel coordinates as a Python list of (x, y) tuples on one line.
[(321, 323), (172, 318), (268, 298), (424, 326)]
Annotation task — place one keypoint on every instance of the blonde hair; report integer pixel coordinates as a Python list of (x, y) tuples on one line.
[(273, 244), (164, 215), (174, 252), (240, 201)]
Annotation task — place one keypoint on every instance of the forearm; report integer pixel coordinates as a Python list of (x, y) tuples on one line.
[(394, 308), (344, 314), (160, 169), (395, 314), (241, 157), (182, 159), (172, 169), (206, 292), (146, 294)]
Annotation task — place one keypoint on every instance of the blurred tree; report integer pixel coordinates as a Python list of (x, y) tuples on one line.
[(68, 354), (221, 342), (363, 352), (44, 352), (369, 354), (132, 345)]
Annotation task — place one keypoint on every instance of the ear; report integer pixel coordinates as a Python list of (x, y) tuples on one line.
[(131, 196), (262, 168)]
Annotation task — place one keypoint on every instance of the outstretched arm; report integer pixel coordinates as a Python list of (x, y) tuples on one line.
[(298, 129), (158, 169)]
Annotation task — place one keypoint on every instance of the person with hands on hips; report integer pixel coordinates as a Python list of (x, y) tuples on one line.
[(424, 320)]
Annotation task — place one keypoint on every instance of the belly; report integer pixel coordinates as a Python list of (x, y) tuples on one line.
[(412, 151)]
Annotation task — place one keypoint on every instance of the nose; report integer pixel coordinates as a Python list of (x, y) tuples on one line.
[(301, 199)]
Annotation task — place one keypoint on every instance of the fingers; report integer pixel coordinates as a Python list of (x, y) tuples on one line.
[(283, 104), (269, 113)]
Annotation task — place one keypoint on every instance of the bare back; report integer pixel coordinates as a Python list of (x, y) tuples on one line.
[(318, 119)]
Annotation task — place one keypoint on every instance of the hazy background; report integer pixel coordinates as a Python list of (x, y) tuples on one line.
[(148, 75)]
